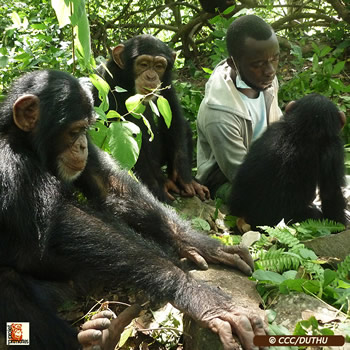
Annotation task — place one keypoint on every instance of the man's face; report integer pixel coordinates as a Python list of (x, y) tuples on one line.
[(258, 62)]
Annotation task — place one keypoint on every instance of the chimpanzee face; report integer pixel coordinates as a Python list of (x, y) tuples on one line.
[(72, 151), (149, 71), (258, 62), (70, 147)]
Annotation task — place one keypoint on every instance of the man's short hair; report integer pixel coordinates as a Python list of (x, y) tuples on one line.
[(249, 26)]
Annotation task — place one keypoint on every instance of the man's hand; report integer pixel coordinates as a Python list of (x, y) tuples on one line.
[(103, 331), (200, 190)]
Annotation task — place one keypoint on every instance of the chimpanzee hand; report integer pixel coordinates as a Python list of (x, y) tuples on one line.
[(170, 185), (238, 322), (205, 250), (103, 331)]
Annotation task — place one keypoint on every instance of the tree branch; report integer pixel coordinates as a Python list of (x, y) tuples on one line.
[(342, 11)]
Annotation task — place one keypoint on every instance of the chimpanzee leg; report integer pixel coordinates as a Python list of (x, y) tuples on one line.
[(310, 212), (24, 299)]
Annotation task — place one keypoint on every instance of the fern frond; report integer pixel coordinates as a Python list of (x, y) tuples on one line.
[(284, 236), (278, 260), (344, 268), (319, 227)]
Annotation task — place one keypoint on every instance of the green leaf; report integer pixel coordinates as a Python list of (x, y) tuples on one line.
[(16, 19), (149, 129), (125, 143), (23, 56), (134, 105), (338, 67), (315, 62), (113, 115), (165, 110), (3, 61), (326, 331), (103, 89), (62, 10), (101, 113), (315, 47), (307, 254), (271, 315), (82, 32), (337, 84), (154, 108), (99, 134), (127, 333), (325, 51), (200, 224), (301, 285), (39, 26), (329, 277), (269, 276), (120, 89), (207, 70), (290, 275)]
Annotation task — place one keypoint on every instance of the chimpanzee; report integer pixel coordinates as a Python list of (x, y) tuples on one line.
[(140, 65), (71, 216), (284, 167)]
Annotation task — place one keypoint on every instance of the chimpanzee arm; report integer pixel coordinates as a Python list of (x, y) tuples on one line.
[(179, 140), (151, 174), (179, 150), (106, 184), (131, 202), (331, 181), (90, 251)]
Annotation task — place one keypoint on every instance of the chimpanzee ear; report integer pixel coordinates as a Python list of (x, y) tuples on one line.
[(289, 106), (174, 56), (342, 118), (26, 112), (117, 55)]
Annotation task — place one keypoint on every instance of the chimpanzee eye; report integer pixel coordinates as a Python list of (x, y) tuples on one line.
[(143, 65), (159, 67)]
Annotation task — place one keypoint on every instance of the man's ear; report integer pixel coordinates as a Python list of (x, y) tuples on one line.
[(117, 56), (26, 112)]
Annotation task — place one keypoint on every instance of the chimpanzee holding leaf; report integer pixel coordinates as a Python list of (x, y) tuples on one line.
[(141, 65), (120, 235)]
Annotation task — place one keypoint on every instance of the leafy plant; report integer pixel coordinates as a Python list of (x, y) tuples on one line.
[(311, 327), (316, 228)]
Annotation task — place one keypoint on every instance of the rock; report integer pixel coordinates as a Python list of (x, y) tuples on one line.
[(295, 307), (193, 208), (233, 283), (335, 245)]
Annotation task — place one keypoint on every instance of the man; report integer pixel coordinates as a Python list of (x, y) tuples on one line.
[(240, 101)]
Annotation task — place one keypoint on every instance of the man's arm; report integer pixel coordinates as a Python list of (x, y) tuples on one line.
[(227, 143)]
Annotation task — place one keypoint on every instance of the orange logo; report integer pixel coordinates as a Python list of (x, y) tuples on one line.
[(16, 331)]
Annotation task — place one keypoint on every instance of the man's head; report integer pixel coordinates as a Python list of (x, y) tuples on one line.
[(253, 49)]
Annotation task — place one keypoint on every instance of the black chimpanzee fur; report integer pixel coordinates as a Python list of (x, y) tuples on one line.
[(170, 147), (121, 236), (284, 167)]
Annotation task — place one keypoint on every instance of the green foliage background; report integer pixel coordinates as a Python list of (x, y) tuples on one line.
[(314, 40)]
